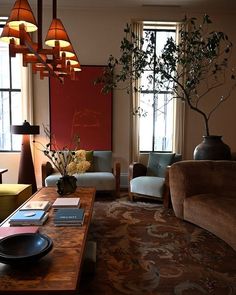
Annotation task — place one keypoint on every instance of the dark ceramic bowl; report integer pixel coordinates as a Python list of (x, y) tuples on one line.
[(24, 248)]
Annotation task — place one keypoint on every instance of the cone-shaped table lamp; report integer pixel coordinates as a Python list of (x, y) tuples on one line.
[(26, 170)]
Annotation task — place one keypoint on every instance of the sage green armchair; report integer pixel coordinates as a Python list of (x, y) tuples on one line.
[(150, 181)]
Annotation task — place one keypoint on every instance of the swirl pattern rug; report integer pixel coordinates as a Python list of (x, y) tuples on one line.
[(142, 248)]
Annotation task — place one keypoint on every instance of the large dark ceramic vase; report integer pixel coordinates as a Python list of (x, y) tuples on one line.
[(212, 148), (66, 185)]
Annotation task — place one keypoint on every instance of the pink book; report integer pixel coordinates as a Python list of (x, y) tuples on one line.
[(12, 230)]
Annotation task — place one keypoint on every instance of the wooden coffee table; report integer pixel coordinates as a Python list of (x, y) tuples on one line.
[(59, 271)]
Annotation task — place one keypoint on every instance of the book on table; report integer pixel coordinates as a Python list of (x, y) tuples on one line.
[(29, 217), (62, 202), (14, 230), (69, 216), (37, 205)]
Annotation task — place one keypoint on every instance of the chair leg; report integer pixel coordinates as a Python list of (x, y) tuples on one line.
[(131, 197)]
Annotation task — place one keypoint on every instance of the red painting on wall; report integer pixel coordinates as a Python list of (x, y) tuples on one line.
[(78, 108)]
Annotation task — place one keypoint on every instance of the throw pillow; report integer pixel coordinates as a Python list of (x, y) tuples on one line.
[(158, 162), (89, 157)]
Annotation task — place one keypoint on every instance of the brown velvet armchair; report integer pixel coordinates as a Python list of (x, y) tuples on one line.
[(204, 193)]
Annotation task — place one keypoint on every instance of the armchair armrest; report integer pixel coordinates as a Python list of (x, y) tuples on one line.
[(116, 172), (46, 170), (137, 169)]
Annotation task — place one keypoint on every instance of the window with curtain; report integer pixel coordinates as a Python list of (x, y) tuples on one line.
[(10, 96), (156, 125)]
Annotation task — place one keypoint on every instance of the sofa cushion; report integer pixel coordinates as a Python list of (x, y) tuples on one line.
[(158, 162), (89, 158), (147, 185), (100, 180), (102, 161), (215, 213)]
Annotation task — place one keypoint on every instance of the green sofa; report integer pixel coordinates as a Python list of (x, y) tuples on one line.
[(104, 175)]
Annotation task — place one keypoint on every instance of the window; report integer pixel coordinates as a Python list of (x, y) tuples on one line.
[(156, 127), (10, 97)]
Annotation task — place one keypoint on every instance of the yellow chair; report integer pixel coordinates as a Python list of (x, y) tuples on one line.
[(12, 196)]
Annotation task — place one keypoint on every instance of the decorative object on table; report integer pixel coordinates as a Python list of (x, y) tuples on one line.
[(192, 68), (24, 248), (26, 170), (66, 185), (69, 217), (29, 217), (67, 162)]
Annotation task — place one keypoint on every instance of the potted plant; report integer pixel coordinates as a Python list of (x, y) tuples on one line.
[(191, 69), (67, 161)]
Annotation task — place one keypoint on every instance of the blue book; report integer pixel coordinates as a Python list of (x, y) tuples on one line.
[(69, 216), (27, 216)]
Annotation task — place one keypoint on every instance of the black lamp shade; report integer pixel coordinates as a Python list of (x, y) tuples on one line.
[(26, 128)]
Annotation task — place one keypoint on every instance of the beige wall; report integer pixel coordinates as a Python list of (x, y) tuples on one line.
[(96, 33)]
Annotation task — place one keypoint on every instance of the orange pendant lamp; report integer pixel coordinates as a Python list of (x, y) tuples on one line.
[(8, 34), (76, 68), (68, 50), (60, 60), (57, 33), (73, 60), (21, 13)]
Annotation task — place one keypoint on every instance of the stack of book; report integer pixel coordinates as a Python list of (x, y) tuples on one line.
[(29, 217), (32, 213), (69, 217), (37, 205), (62, 202)]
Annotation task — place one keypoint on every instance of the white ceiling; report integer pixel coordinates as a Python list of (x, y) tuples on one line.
[(218, 4), (135, 3)]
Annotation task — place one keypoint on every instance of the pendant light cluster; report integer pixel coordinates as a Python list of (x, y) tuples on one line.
[(58, 60)]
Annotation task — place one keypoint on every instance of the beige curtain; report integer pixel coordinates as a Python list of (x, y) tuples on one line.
[(137, 28), (178, 131), (27, 94), (179, 120)]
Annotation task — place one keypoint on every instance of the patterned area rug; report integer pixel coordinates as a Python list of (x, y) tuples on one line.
[(143, 248)]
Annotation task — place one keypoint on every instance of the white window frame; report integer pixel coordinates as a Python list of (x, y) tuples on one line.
[(168, 105), (14, 141)]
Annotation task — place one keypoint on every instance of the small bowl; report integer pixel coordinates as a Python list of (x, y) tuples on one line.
[(24, 248)]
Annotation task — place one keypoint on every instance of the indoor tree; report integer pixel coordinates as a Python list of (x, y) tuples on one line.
[(192, 68)]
